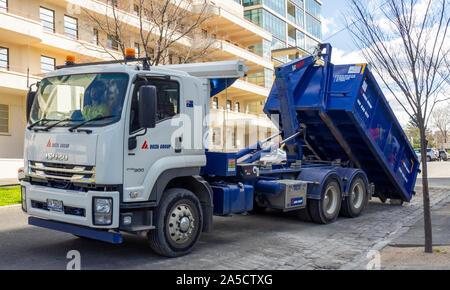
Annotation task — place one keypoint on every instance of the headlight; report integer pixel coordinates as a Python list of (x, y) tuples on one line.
[(23, 193), (102, 211), (103, 205)]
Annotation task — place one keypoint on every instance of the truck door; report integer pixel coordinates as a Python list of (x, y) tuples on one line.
[(154, 150)]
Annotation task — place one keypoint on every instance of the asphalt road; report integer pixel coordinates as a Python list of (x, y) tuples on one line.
[(267, 241)]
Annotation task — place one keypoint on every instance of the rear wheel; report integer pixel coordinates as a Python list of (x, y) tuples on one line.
[(357, 198), (178, 221), (326, 209)]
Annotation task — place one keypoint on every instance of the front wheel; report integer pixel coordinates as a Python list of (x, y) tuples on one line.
[(357, 198), (178, 221), (326, 209)]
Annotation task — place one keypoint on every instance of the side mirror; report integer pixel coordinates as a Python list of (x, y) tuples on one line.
[(147, 106), (30, 99)]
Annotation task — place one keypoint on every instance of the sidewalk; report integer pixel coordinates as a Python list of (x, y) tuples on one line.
[(8, 181), (407, 250), (8, 171)]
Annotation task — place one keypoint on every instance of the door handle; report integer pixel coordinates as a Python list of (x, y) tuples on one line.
[(178, 142)]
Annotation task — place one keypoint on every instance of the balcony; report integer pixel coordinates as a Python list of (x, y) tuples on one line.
[(233, 50), (58, 42), (16, 81), (18, 28)]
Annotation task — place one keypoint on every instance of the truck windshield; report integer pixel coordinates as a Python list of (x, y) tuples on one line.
[(77, 98)]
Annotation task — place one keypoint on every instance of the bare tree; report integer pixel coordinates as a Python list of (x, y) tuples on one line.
[(113, 23), (165, 23), (441, 120), (167, 29), (407, 45)]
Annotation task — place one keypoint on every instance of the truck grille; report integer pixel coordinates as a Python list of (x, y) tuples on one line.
[(62, 172)]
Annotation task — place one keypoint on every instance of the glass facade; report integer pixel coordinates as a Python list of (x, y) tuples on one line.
[(300, 39), (299, 3), (303, 16), (276, 5), (310, 44), (299, 17), (313, 8), (263, 48), (268, 21), (313, 26)]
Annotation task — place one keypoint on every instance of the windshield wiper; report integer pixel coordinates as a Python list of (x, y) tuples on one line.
[(71, 129), (60, 121), (40, 121)]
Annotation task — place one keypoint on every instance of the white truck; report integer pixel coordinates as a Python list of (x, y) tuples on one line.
[(113, 147), (105, 150)]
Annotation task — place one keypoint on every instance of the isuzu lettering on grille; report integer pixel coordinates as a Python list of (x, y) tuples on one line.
[(57, 156)]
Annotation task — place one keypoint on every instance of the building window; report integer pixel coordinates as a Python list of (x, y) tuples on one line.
[(229, 105), (313, 8), (70, 27), (137, 48), (4, 5), (313, 26), (47, 19), (4, 119), (237, 107), (95, 36), (112, 42), (4, 58), (136, 9), (47, 64), (215, 103), (267, 21)]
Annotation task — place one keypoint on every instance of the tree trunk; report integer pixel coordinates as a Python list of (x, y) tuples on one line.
[(426, 195)]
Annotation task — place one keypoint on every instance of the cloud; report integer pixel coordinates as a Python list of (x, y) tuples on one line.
[(340, 56), (328, 26)]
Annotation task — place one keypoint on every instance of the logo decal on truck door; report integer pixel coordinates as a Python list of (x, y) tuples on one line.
[(145, 145)]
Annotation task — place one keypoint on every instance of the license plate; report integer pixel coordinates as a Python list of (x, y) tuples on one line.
[(55, 205)]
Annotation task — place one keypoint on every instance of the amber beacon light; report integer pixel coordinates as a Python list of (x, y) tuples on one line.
[(130, 53), (70, 59)]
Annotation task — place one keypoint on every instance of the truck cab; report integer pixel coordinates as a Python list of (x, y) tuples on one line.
[(106, 142)]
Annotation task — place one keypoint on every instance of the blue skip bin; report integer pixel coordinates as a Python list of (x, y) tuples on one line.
[(346, 117)]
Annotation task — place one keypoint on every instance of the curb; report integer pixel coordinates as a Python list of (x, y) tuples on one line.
[(10, 206), (9, 185)]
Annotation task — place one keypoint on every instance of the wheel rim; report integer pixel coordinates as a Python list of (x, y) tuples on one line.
[(330, 201), (357, 195), (181, 223)]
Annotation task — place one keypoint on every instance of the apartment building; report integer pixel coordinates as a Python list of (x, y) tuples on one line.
[(36, 36), (295, 25)]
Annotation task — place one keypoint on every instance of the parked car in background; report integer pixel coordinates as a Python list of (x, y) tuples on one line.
[(431, 155), (444, 155)]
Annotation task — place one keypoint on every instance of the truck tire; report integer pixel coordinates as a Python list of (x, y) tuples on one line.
[(326, 209), (178, 221), (353, 204)]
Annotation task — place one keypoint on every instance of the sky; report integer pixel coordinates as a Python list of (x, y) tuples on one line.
[(334, 32)]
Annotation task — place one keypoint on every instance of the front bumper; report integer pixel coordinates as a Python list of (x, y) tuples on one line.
[(36, 194), (114, 238)]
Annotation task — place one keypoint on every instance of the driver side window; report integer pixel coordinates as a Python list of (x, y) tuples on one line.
[(168, 98)]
